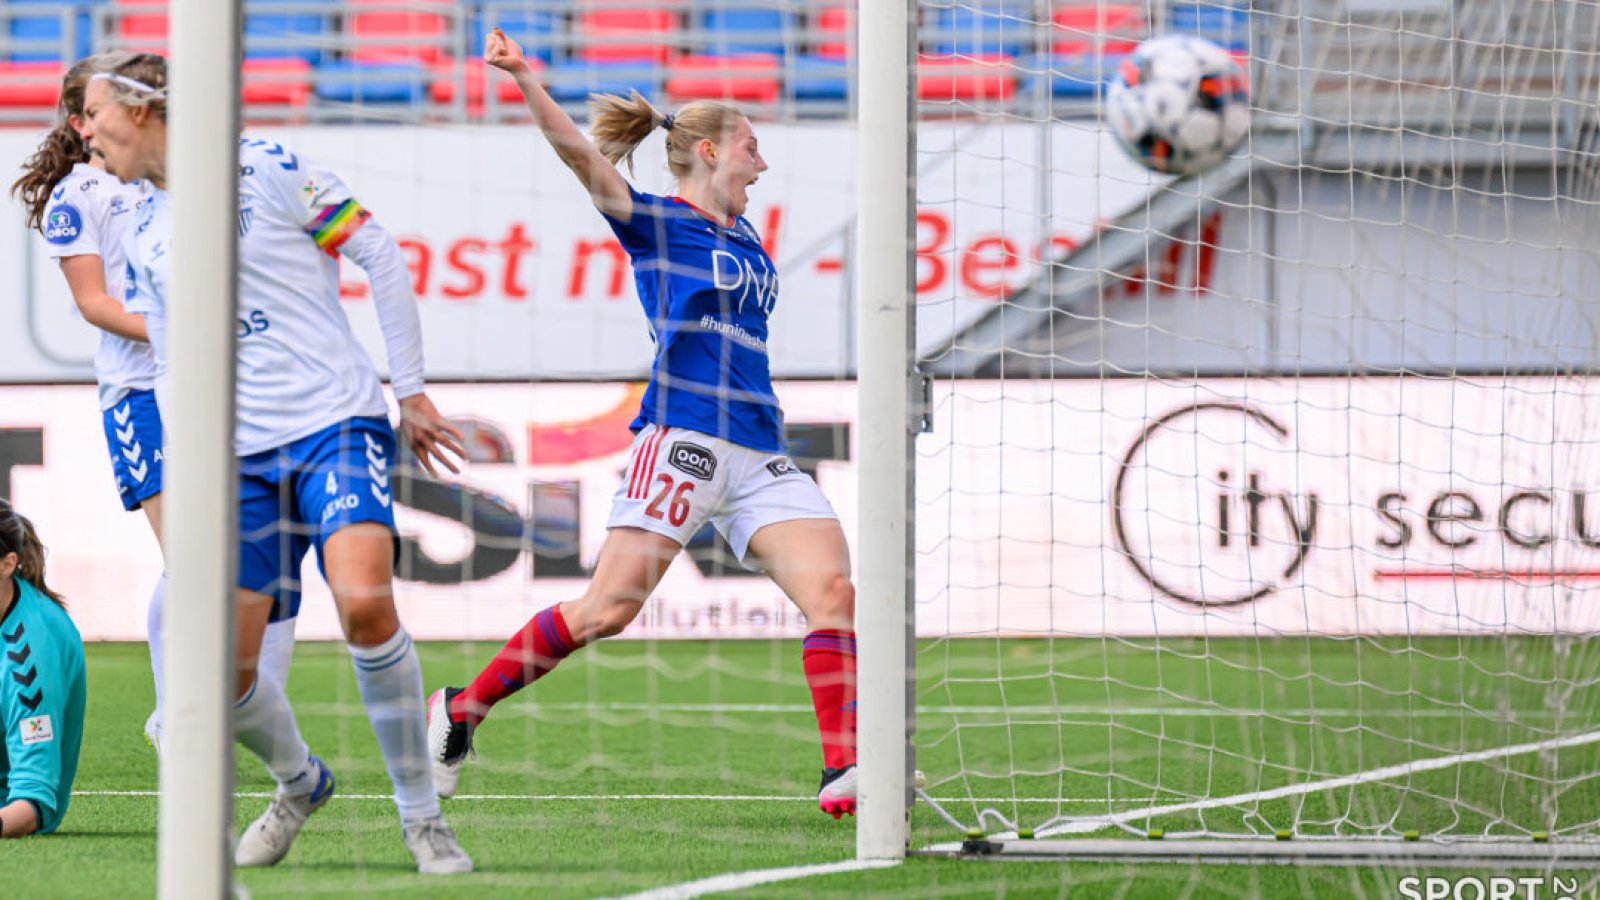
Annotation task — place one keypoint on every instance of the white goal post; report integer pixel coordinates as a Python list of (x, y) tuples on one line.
[(885, 303), (195, 852)]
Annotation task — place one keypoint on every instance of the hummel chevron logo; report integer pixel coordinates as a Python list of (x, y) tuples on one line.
[(121, 414), (26, 680), (20, 656), (291, 164), (380, 495), (138, 472), (379, 477), (125, 435), (14, 636), (132, 454), (32, 703), (272, 149)]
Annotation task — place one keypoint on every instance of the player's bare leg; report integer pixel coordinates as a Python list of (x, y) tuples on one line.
[(810, 561), (358, 560), (151, 507), (632, 562)]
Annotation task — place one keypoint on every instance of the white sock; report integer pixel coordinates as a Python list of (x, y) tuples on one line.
[(277, 652), (152, 625), (390, 678), (265, 725)]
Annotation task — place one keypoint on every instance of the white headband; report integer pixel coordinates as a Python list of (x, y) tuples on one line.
[(125, 81)]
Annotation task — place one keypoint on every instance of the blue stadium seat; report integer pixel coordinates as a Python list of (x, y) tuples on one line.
[(993, 28), (1228, 26), (575, 81), (742, 30), (818, 78), (359, 82), (1070, 75), (43, 31), (288, 35), (535, 30)]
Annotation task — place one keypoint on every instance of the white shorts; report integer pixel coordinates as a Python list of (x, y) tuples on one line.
[(677, 480)]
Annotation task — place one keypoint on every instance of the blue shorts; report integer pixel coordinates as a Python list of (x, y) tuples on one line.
[(293, 497), (133, 435)]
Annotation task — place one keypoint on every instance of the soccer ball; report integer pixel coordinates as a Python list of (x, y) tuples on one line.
[(1178, 104)]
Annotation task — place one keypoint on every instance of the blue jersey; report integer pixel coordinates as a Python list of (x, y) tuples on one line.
[(708, 290), (42, 690)]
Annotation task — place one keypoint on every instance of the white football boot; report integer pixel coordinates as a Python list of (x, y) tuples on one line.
[(433, 845), (269, 837), (449, 741)]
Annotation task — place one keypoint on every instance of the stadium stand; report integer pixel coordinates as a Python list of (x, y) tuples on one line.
[(331, 60), (141, 25), (291, 29), (44, 32)]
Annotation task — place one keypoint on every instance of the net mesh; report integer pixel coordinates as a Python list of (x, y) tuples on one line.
[(1254, 504), (1261, 507)]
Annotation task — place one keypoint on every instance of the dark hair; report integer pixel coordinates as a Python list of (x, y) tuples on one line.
[(60, 150), (17, 536)]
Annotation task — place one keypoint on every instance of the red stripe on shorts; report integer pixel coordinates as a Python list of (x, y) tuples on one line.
[(643, 465), (650, 467)]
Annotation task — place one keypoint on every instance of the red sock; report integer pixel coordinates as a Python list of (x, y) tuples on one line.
[(829, 656), (528, 656)]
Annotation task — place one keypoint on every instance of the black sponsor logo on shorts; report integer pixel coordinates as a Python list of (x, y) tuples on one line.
[(692, 459), (782, 466)]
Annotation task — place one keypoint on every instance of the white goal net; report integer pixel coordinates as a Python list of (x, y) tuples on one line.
[(1261, 504)]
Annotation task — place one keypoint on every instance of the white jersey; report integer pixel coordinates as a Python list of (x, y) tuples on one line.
[(300, 366), (89, 213)]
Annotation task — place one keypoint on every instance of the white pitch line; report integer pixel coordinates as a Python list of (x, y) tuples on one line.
[(736, 881), (1084, 825), (732, 798), (341, 709)]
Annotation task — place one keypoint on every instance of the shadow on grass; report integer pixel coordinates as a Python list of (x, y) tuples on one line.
[(131, 834)]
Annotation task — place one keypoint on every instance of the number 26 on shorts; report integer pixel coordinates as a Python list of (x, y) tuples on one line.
[(677, 511)]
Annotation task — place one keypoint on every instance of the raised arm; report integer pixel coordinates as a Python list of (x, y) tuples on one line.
[(87, 279), (605, 184)]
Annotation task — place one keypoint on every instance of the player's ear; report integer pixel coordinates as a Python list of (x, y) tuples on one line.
[(707, 151), (8, 565), (139, 114)]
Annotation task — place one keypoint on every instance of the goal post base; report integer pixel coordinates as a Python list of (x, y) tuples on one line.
[(1400, 854)]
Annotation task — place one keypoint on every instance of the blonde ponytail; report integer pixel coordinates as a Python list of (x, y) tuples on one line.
[(621, 124)]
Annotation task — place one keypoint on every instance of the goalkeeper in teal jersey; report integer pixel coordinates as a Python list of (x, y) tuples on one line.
[(42, 687)]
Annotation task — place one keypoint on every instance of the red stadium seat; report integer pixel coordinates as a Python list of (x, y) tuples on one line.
[(752, 78), (276, 82), (613, 27), (1079, 27), (475, 77), (986, 77), (143, 27), (834, 20), (30, 84), (396, 34)]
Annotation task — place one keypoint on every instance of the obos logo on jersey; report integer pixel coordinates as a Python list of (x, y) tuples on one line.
[(63, 224)]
